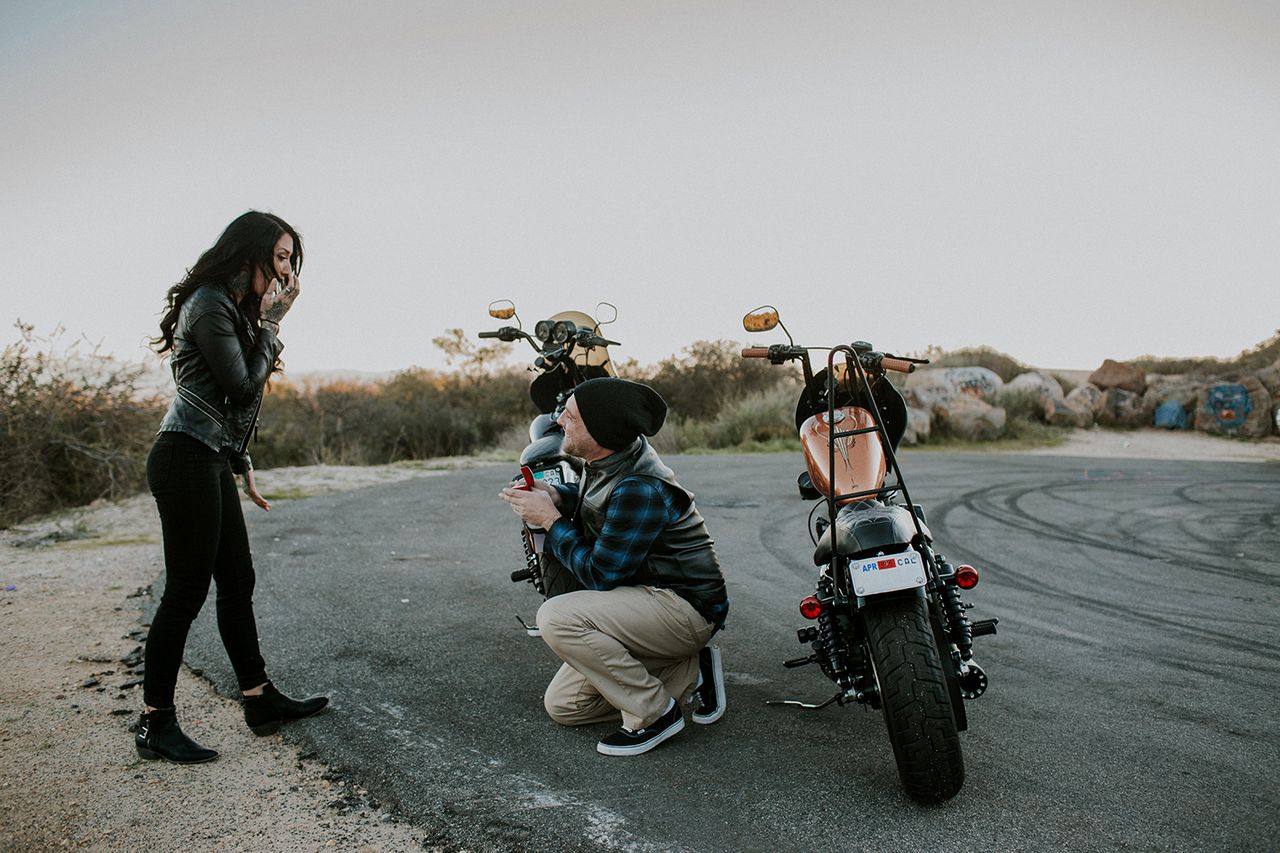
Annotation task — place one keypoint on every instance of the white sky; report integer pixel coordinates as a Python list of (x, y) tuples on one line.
[(1064, 181)]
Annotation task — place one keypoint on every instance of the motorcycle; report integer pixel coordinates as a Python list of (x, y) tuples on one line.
[(570, 350), (890, 627)]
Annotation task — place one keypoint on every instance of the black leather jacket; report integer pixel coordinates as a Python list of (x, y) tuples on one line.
[(220, 365)]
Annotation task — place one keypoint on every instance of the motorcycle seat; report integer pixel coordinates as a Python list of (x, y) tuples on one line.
[(866, 526)]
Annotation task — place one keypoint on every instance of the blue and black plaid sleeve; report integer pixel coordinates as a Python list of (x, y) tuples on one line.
[(638, 511)]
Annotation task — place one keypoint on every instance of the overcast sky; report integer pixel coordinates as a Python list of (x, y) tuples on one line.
[(1063, 181)]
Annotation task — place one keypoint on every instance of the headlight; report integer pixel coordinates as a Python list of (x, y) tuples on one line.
[(561, 331)]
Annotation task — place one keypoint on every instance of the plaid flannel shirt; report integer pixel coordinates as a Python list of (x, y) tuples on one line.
[(639, 509)]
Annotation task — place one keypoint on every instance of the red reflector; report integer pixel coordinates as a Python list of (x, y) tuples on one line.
[(966, 577), (811, 607)]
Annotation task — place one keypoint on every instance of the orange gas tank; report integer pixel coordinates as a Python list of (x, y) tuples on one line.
[(860, 462)]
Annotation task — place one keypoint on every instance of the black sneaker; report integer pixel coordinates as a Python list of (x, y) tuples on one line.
[(626, 742), (708, 696)]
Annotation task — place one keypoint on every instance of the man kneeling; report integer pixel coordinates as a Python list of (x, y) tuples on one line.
[(635, 638)]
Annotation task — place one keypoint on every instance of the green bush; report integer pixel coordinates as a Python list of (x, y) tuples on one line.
[(73, 427), (708, 376), (758, 421)]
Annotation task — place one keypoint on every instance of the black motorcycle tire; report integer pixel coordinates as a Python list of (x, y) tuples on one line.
[(914, 698), (556, 579)]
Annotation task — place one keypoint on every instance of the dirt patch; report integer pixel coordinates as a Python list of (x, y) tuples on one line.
[(1163, 444), (70, 589)]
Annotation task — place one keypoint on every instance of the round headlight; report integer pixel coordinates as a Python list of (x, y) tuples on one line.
[(561, 331)]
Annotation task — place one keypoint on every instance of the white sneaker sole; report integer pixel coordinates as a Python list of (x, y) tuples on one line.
[(641, 748), (717, 670)]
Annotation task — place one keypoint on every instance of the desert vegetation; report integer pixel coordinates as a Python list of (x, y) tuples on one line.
[(75, 426)]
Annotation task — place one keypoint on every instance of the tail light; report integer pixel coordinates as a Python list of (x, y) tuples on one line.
[(811, 607), (966, 576)]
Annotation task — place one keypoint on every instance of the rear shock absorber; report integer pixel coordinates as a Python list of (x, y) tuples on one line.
[(831, 645), (958, 626), (532, 571)]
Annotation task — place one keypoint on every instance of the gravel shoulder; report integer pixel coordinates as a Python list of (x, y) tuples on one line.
[(72, 587)]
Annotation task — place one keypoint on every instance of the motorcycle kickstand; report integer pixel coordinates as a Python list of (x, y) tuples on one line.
[(796, 703), (531, 630)]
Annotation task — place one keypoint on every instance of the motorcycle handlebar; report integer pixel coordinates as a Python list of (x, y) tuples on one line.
[(899, 364), (755, 352), (490, 334)]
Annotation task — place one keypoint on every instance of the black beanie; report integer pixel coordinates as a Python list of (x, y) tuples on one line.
[(616, 411)]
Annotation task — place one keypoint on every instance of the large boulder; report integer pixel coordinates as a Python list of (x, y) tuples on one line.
[(926, 388), (1270, 379), (970, 418), (918, 423), (1235, 408), (1121, 408), (1069, 412), (1088, 395), (1168, 389), (1041, 384), (1115, 374), (1161, 387)]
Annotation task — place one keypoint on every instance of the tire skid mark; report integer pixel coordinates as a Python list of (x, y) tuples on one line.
[(1120, 611), (774, 543), (973, 501), (981, 502)]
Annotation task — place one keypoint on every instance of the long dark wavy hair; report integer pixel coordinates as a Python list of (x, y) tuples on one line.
[(249, 242)]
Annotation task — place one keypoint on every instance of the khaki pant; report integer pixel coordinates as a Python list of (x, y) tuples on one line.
[(630, 649)]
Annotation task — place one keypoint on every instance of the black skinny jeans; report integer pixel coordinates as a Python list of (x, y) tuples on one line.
[(204, 538)]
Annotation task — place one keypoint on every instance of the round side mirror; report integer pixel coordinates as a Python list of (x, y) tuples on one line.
[(503, 309), (762, 319), (606, 313)]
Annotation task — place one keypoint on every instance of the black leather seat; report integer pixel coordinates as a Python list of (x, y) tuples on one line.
[(865, 526)]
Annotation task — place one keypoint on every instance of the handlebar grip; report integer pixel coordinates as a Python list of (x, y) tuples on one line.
[(521, 575), (755, 352), (491, 334), (898, 364)]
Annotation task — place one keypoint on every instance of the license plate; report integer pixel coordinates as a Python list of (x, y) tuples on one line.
[(551, 476), (888, 573)]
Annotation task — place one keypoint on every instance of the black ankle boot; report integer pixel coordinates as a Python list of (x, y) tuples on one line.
[(158, 736), (265, 713)]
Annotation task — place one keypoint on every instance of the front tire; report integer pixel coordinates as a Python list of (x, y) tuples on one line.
[(914, 697)]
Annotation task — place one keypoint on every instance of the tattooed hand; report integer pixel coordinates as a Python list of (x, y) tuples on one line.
[(279, 298)]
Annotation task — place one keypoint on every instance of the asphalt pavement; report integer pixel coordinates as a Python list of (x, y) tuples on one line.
[(1133, 680)]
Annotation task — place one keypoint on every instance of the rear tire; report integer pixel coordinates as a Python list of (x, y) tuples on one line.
[(915, 699)]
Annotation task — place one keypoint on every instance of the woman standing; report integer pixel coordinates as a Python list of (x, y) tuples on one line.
[(222, 326)]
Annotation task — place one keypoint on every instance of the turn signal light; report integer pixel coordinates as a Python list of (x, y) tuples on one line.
[(811, 607), (966, 577)]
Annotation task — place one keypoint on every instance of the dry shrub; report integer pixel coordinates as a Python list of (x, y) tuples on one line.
[(764, 420), (1263, 355), (707, 377), (417, 414), (1004, 366), (73, 427)]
